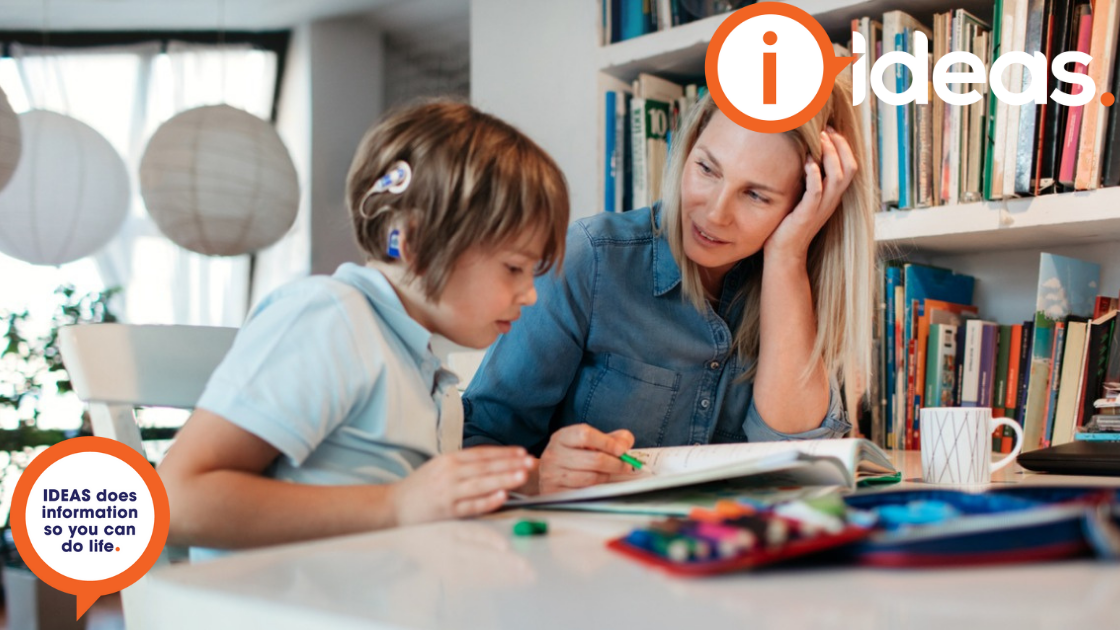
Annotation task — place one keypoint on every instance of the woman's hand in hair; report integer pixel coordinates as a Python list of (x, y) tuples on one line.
[(580, 455), (791, 239)]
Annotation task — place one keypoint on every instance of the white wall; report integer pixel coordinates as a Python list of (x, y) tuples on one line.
[(533, 64), (346, 61)]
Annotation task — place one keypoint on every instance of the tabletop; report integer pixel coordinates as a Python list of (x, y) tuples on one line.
[(476, 574)]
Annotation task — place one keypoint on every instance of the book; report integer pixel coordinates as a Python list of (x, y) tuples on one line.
[(1056, 357), (1017, 42), (1072, 132), (1058, 41), (895, 23), (939, 373), (837, 462), (1106, 23), (1110, 175), (1028, 113), (1065, 413)]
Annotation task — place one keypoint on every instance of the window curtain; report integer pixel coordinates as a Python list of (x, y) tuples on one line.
[(126, 93)]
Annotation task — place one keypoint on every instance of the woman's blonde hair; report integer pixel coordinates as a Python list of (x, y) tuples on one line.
[(476, 181), (841, 257)]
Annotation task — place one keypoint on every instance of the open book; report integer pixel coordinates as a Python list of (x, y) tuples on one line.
[(840, 462)]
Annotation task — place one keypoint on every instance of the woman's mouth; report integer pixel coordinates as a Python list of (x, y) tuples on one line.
[(706, 239)]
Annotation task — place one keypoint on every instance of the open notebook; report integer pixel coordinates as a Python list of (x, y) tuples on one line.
[(840, 462)]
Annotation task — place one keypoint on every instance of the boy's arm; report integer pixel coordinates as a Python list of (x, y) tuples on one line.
[(220, 499)]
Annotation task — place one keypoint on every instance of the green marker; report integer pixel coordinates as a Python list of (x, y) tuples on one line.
[(530, 528), (636, 463)]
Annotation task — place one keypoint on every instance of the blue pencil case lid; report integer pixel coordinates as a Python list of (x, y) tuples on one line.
[(952, 528)]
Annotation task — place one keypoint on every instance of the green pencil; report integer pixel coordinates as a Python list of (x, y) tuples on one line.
[(636, 463)]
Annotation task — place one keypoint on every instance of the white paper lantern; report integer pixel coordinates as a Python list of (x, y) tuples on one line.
[(219, 181), (9, 140), (68, 196)]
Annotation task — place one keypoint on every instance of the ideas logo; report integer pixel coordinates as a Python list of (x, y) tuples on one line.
[(770, 68)]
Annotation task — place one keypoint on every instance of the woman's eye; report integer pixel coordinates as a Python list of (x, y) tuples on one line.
[(704, 168), (757, 197)]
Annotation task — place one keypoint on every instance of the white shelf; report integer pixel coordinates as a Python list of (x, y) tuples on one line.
[(678, 53), (1051, 220)]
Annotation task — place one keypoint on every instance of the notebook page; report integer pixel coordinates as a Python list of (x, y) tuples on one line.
[(676, 459)]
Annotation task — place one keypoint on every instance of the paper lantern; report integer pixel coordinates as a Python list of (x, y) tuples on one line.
[(68, 196), (219, 181), (9, 140)]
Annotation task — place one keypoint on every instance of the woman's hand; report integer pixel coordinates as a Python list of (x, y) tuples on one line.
[(456, 485), (579, 456), (791, 239)]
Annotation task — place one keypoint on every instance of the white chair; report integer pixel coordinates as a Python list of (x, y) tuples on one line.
[(117, 368)]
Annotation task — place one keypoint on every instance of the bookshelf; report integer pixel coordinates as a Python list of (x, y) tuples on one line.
[(1079, 218)]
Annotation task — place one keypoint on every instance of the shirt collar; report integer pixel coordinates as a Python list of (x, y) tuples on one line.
[(666, 272), (389, 307)]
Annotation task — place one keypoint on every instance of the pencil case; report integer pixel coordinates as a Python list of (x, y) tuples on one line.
[(720, 542), (1008, 526)]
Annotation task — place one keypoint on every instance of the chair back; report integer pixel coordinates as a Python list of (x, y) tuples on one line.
[(118, 367)]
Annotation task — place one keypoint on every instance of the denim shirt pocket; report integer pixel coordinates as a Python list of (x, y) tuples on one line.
[(616, 392)]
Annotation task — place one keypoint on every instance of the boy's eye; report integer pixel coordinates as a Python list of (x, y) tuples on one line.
[(515, 270)]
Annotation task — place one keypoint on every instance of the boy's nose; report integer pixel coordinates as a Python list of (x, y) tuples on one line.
[(529, 297)]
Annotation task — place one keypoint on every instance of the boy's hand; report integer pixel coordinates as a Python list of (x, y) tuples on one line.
[(579, 456), (465, 483)]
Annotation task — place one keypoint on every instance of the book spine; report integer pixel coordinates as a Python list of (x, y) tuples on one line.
[(970, 379), (610, 157), (1055, 378), (1013, 370), (1071, 142), (901, 113), (987, 364), (1003, 355), (640, 175), (1026, 349), (1028, 114)]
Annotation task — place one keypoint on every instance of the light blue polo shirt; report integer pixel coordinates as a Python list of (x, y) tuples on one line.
[(334, 374)]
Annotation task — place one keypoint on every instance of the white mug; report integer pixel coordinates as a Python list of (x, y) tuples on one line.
[(957, 444)]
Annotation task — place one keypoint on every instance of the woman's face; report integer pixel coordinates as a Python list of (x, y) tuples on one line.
[(737, 187)]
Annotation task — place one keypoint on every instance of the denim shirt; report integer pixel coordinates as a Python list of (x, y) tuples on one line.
[(613, 343)]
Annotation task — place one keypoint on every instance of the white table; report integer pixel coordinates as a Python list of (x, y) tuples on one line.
[(477, 575)]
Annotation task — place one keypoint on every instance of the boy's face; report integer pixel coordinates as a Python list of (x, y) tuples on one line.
[(737, 187), (486, 291)]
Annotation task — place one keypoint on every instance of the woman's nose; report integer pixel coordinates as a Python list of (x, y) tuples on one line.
[(721, 211)]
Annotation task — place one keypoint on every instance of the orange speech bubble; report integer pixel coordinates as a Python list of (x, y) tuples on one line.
[(88, 591), (833, 65)]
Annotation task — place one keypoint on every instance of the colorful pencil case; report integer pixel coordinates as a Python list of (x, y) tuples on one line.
[(735, 537), (952, 528)]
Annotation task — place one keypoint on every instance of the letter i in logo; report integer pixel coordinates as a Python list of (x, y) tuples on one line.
[(770, 71)]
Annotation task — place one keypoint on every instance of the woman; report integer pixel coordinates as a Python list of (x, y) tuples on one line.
[(725, 313)]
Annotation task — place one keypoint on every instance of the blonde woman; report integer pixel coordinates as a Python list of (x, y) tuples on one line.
[(726, 313)]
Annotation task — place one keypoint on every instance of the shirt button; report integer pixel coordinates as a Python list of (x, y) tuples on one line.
[(704, 403), (714, 365)]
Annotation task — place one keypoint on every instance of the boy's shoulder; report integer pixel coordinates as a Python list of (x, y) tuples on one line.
[(605, 228), (313, 293)]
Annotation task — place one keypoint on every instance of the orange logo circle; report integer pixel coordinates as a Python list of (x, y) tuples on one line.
[(88, 591), (833, 65)]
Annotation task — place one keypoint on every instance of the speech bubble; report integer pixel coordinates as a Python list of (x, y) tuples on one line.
[(105, 562), (737, 60)]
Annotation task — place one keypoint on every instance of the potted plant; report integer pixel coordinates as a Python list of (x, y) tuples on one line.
[(31, 370)]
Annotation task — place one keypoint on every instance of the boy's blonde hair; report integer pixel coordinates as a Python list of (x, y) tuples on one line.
[(841, 260), (476, 181)]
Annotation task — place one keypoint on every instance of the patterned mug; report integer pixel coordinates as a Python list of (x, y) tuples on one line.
[(957, 444)]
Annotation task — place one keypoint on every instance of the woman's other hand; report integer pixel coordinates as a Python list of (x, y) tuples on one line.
[(822, 196)]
